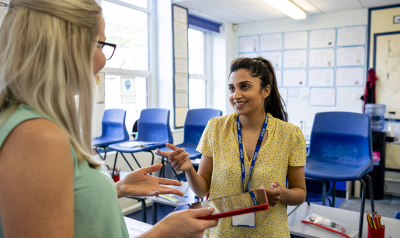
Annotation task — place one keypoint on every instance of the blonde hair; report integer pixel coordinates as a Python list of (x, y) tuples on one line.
[(46, 55)]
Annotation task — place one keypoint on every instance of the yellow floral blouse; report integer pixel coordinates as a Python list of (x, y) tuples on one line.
[(285, 146)]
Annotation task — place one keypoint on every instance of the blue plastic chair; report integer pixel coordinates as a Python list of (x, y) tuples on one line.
[(341, 150), (153, 128), (397, 215), (195, 123), (113, 130)]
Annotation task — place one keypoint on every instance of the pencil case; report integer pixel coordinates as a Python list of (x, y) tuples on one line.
[(330, 225)]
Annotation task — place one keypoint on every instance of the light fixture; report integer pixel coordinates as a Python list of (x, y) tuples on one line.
[(288, 8)]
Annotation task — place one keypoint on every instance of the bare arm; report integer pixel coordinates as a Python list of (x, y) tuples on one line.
[(36, 181)]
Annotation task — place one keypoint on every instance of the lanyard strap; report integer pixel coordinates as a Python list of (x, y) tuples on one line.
[(253, 161)]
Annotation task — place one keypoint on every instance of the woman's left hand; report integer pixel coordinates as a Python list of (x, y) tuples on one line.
[(139, 183), (274, 194)]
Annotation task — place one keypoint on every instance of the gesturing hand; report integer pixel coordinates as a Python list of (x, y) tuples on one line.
[(179, 158), (274, 195), (139, 183)]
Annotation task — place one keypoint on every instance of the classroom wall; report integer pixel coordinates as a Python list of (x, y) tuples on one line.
[(298, 108)]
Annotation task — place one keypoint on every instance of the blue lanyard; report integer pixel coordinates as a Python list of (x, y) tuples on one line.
[(253, 161)]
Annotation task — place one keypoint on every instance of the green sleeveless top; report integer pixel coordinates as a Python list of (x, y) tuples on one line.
[(96, 209)]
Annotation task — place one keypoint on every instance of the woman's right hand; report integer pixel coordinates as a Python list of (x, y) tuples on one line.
[(179, 158), (186, 223)]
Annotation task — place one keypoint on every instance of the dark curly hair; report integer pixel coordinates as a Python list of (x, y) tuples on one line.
[(262, 69)]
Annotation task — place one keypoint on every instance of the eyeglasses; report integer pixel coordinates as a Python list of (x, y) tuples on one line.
[(108, 49)]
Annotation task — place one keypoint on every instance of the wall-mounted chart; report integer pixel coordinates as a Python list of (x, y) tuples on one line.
[(271, 42), (275, 57), (323, 38), (351, 36), (350, 56), (295, 59), (322, 96), (248, 44), (351, 76), (294, 78), (321, 58), (278, 75), (296, 40), (320, 77)]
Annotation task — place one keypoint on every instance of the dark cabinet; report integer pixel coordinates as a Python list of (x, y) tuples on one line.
[(378, 173)]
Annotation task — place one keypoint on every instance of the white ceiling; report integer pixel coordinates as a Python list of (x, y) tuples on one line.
[(244, 11)]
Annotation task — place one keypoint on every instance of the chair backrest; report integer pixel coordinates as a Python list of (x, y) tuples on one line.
[(195, 123), (343, 137), (113, 124), (153, 126), (397, 215)]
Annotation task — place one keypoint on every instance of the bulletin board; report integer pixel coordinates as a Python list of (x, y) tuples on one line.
[(318, 60), (384, 54), (181, 66)]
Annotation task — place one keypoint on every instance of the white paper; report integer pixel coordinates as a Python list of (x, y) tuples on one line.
[(128, 91), (322, 96), (296, 40), (293, 92), (180, 15), (248, 44), (294, 78), (322, 38), (136, 228), (350, 56), (271, 42), (180, 116), (100, 87), (3, 9), (181, 48), (321, 58), (278, 75), (180, 31), (275, 57), (351, 36), (295, 59), (248, 55), (320, 78), (181, 100), (350, 76), (284, 94), (181, 66), (181, 83)]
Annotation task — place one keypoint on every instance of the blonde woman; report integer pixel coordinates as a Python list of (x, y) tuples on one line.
[(50, 184)]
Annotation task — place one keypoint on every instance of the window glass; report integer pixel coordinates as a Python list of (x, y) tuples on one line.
[(139, 3), (196, 52), (197, 93), (129, 93), (128, 28)]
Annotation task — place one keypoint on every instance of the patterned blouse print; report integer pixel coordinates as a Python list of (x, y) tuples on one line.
[(285, 146)]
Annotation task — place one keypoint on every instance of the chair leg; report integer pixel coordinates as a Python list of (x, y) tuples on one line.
[(360, 226), (323, 193), (162, 168), (371, 192), (144, 219), (115, 163), (152, 160), (104, 159), (154, 215), (308, 200), (123, 156), (174, 172), (136, 161), (333, 193)]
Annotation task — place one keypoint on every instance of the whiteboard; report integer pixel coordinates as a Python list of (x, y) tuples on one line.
[(353, 76), (350, 56), (321, 58), (320, 77), (296, 40), (323, 38), (271, 42), (278, 75), (322, 96), (248, 44), (351, 36), (294, 78), (295, 59), (275, 57)]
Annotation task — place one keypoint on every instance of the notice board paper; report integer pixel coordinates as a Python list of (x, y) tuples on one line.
[(275, 57), (321, 58), (350, 56), (294, 78), (293, 92), (181, 100), (295, 59), (248, 44), (180, 15), (180, 31), (181, 48), (181, 66), (271, 42), (351, 36), (320, 78), (248, 55), (284, 94), (322, 38), (296, 40), (353, 76), (181, 83), (278, 75), (322, 96)]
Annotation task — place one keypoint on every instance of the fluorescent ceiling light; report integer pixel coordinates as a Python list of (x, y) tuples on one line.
[(288, 8)]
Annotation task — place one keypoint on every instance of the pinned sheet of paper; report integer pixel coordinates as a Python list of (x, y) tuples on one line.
[(322, 96), (293, 92), (271, 42)]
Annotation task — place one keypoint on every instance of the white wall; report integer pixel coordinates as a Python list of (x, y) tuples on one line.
[(299, 109)]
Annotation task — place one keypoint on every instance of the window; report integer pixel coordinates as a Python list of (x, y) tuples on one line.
[(197, 68), (127, 72)]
